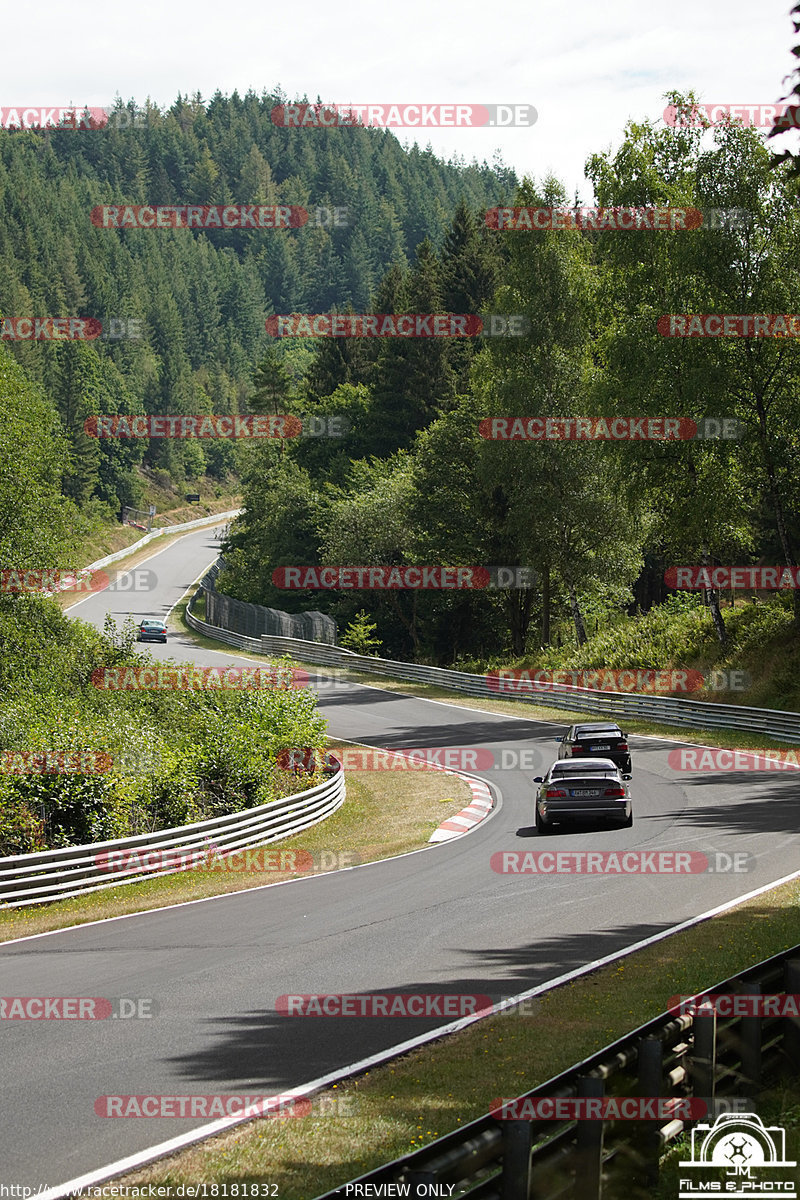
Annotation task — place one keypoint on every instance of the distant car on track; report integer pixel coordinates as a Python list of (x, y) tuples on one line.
[(604, 738), (151, 630), (583, 790)]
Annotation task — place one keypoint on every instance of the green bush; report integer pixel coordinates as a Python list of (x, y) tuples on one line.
[(167, 757)]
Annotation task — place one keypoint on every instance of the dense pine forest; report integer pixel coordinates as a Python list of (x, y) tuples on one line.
[(594, 523), (199, 299)]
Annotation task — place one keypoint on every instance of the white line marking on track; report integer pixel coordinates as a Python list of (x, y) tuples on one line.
[(315, 1085)]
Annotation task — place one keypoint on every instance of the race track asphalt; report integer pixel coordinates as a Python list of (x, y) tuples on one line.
[(440, 920)]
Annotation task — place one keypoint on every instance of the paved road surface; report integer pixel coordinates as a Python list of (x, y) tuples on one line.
[(436, 921)]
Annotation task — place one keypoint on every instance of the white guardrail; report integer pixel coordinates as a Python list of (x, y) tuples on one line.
[(783, 726), (212, 519), (77, 870)]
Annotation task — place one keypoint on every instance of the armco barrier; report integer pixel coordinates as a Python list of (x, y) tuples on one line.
[(77, 870), (722, 1061), (783, 726)]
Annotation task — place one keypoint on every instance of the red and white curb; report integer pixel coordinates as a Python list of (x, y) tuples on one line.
[(470, 816), (475, 812)]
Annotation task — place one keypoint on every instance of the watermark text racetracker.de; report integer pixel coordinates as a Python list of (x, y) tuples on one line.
[(397, 325), (618, 219), (645, 680), (600, 1108), (411, 578), (700, 115), (55, 762), (383, 1004), (86, 761), (215, 425), (69, 329), (594, 218), (696, 578), (77, 1008), (217, 216), (607, 429), (225, 1105), (627, 862), (48, 580), (702, 758), (417, 758), (167, 677), (403, 115), (50, 329), (737, 1004), (23, 116), (729, 325), (135, 861)]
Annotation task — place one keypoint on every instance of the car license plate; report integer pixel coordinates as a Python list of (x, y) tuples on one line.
[(586, 792), (604, 747)]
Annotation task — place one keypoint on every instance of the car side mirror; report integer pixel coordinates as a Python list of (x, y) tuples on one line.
[(538, 779), (627, 777)]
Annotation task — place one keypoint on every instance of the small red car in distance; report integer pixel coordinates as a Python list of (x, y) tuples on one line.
[(604, 738)]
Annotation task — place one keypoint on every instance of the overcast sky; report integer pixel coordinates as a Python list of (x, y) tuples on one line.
[(587, 68)]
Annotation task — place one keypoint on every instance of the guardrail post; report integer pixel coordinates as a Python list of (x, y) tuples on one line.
[(751, 1042), (791, 1025), (704, 1055), (516, 1177), (589, 1145), (645, 1143), (421, 1176)]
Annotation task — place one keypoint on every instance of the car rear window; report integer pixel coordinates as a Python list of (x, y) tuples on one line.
[(589, 768)]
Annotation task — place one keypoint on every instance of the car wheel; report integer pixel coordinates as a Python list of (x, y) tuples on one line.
[(627, 824), (543, 828), (164, 640)]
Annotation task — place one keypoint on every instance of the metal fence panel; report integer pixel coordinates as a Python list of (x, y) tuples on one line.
[(252, 620)]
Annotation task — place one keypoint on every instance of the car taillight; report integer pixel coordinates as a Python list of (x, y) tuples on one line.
[(616, 792), (578, 750), (622, 745), (551, 792)]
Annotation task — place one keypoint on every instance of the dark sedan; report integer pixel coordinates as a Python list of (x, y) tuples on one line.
[(604, 738), (151, 630), (583, 790)]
